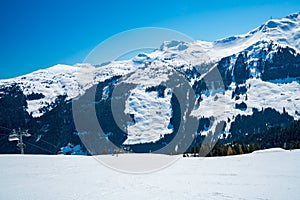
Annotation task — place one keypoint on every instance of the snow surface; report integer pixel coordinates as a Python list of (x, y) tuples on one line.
[(284, 32), (51, 82), (71, 81), (268, 174), (152, 69), (260, 94), (152, 115), (74, 80)]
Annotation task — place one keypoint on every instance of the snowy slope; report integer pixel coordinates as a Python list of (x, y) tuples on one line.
[(152, 69), (51, 82), (271, 174), (63, 79), (283, 97), (284, 32), (144, 106), (71, 81)]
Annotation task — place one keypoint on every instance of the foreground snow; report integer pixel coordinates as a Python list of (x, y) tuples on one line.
[(271, 174)]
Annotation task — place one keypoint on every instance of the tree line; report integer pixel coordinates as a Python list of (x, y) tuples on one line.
[(284, 137)]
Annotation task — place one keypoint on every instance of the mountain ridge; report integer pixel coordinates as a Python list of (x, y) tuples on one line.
[(258, 70)]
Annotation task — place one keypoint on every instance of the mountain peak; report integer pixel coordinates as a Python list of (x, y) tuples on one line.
[(284, 31), (294, 16)]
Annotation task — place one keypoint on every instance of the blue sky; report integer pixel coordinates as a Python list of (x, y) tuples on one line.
[(37, 34)]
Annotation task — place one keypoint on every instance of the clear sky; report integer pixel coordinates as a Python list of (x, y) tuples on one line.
[(37, 34)]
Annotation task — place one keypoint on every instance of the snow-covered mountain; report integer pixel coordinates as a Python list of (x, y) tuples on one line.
[(260, 73)]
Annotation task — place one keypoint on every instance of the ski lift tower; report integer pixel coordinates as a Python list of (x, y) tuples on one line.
[(18, 136)]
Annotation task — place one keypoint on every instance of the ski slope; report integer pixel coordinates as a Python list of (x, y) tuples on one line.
[(269, 174)]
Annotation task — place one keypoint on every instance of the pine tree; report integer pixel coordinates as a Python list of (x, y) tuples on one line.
[(230, 151)]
